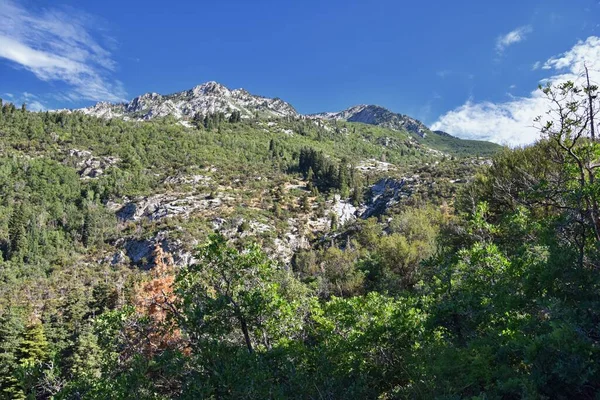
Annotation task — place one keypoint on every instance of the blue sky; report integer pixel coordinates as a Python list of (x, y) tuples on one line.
[(456, 65)]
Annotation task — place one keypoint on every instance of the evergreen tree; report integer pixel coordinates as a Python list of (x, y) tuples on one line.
[(305, 203), (334, 221), (344, 178), (16, 231), (86, 359), (198, 120), (34, 346), (32, 353), (11, 330), (86, 230), (310, 176), (235, 117), (357, 192)]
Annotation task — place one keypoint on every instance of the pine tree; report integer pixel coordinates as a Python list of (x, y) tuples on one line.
[(34, 347), (305, 203), (86, 230), (235, 117), (32, 353), (11, 330), (357, 192), (198, 120), (334, 221), (310, 176), (344, 178), (87, 356), (16, 231)]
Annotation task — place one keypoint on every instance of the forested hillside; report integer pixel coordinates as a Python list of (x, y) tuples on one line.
[(297, 258)]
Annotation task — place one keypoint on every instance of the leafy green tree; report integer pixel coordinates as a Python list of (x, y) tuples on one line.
[(570, 128), (229, 292)]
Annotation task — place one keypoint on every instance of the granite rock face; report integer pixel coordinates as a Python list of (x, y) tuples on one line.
[(208, 98)]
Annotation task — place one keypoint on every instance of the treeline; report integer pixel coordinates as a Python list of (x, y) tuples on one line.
[(212, 121)]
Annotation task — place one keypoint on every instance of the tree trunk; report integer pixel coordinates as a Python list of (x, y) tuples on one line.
[(244, 327)]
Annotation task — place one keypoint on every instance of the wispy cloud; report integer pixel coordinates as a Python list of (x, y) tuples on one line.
[(59, 46), (512, 37), (33, 102), (511, 122)]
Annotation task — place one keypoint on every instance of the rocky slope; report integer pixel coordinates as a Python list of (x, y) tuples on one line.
[(210, 97), (376, 115)]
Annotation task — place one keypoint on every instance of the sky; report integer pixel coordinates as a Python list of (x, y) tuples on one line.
[(468, 67)]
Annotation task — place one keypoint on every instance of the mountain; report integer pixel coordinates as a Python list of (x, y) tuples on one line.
[(438, 140), (377, 115), (210, 97)]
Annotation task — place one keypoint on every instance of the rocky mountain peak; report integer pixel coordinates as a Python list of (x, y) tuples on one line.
[(376, 115), (211, 88), (207, 98), (213, 97)]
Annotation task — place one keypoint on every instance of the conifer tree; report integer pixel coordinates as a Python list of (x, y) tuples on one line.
[(334, 221), (34, 347), (16, 231), (11, 329), (86, 230)]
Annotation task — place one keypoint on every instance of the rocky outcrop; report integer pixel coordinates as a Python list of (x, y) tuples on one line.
[(385, 193), (159, 206), (208, 98), (90, 166), (344, 210), (140, 252)]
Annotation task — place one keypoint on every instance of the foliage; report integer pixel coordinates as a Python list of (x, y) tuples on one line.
[(492, 295)]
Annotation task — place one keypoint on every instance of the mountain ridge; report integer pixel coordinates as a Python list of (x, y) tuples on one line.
[(377, 115), (212, 97), (206, 98)]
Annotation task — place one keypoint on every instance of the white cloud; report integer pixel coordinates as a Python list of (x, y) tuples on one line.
[(33, 102), (511, 122), (56, 46), (512, 37), (36, 106)]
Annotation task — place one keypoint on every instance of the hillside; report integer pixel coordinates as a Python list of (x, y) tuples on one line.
[(376, 115), (215, 244)]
